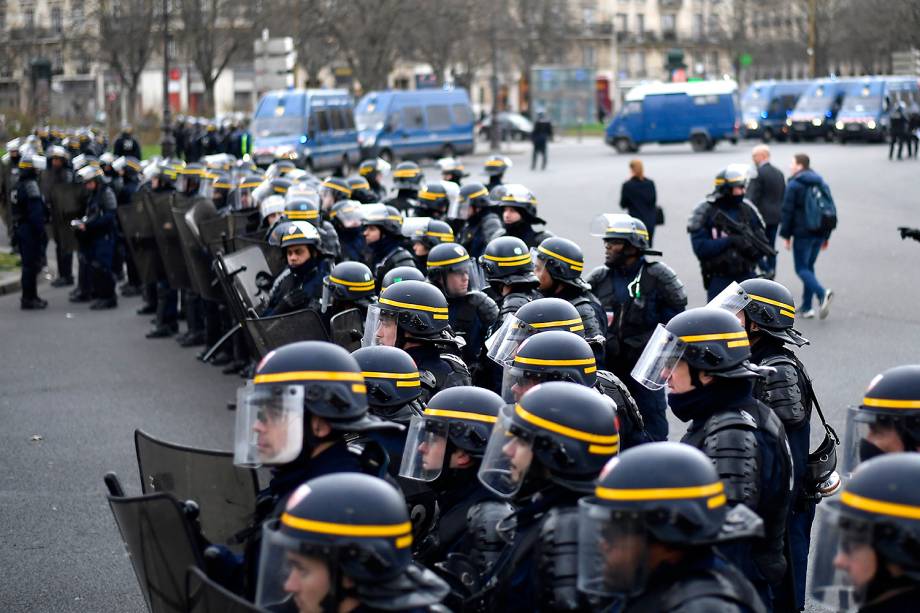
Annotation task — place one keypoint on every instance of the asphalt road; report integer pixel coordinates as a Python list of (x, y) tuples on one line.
[(83, 381)]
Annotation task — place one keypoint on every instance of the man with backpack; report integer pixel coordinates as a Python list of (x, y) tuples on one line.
[(809, 216)]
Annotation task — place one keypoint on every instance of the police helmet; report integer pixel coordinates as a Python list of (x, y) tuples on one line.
[(507, 260), (890, 406), (401, 273), (496, 165), (457, 418), (384, 216), (416, 308), (128, 165), (391, 376), (300, 233), (449, 258), (407, 176), (32, 162), (268, 187), (476, 195), (435, 198), (730, 177), (772, 308), (543, 430), (641, 499), (57, 151), (302, 209), (563, 260), (554, 355), (361, 190), (451, 169), (273, 205), (429, 232), (336, 187), (348, 282), (369, 168), (86, 174), (346, 215), (619, 226), (518, 197), (107, 158)]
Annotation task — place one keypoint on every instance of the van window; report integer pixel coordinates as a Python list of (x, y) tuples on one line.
[(412, 118), (438, 117), (349, 118), (322, 119), (632, 108), (462, 114), (705, 100), (338, 122)]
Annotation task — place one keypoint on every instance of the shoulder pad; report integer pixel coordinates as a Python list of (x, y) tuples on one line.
[(557, 560), (782, 391), (485, 306), (753, 211), (456, 362), (734, 420), (108, 200), (595, 276), (735, 452), (698, 216), (491, 527), (32, 189)]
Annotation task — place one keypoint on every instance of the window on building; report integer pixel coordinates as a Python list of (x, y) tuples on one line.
[(76, 15), (622, 22), (668, 25), (640, 24), (57, 19), (623, 65), (714, 62), (641, 70), (2, 14), (588, 55), (698, 26), (28, 18)]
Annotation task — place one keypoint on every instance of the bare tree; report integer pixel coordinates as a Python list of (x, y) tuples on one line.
[(437, 33), (127, 38)]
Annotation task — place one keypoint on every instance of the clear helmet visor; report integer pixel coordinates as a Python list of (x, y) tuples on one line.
[(380, 328), (507, 458), (260, 193), (612, 553), (39, 162), (844, 560), (610, 222), (301, 192), (426, 446), (732, 299), (516, 382), (654, 366), (285, 572), (459, 208), (458, 279), (328, 296), (413, 227), (269, 425), (502, 346), (869, 434), (348, 216)]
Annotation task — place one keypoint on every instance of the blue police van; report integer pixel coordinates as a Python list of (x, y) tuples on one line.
[(315, 128), (867, 107), (415, 124), (766, 105), (699, 112), (816, 111)]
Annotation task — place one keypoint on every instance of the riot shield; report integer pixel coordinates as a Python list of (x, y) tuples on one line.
[(215, 234), (161, 545), (197, 257), (237, 272), (274, 256), (347, 328), (159, 208), (226, 494), (205, 596), (268, 333), (66, 205), (138, 231)]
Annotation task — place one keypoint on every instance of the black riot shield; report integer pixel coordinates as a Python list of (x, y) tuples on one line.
[(268, 333), (347, 329), (197, 257), (159, 537), (237, 273), (274, 256), (205, 596), (138, 230), (159, 208), (66, 205), (226, 494), (221, 234)]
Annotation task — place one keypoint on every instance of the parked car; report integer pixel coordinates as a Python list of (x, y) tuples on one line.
[(512, 126)]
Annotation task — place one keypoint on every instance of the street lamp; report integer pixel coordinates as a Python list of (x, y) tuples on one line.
[(167, 142)]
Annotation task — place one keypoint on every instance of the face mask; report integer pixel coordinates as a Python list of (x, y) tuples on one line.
[(736, 200)]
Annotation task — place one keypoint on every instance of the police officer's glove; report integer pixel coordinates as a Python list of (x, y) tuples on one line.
[(293, 301), (264, 281)]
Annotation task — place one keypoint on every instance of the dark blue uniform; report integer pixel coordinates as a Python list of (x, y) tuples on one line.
[(28, 213), (100, 240), (298, 288)]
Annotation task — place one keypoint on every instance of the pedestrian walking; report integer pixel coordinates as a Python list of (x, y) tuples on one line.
[(639, 198), (806, 243), (899, 135), (541, 135), (766, 190)]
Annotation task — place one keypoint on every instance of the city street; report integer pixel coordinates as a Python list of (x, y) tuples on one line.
[(75, 383)]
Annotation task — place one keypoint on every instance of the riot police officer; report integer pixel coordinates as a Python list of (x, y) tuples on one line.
[(343, 543), (557, 355), (767, 312), (637, 295), (373, 171), (126, 145), (305, 207), (128, 168), (413, 315), (495, 167), (558, 263), (703, 356), (361, 190), (452, 170), (444, 449), (424, 233), (434, 200), (98, 229), (536, 316), (401, 273), (544, 456), (471, 313), (508, 268), (300, 286), (407, 179), (888, 418), (160, 298), (346, 218), (60, 173), (479, 223), (868, 539), (333, 190), (28, 217), (350, 285), (646, 536), (726, 255), (304, 399), (382, 231), (518, 208)]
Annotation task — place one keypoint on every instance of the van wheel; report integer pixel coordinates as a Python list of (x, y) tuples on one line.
[(622, 145), (387, 156), (700, 142), (345, 166), (447, 151)]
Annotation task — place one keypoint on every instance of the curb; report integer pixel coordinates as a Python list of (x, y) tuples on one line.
[(10, 284)]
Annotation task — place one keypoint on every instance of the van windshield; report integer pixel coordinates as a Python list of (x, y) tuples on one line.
[(816, 103), (369, 114), (279, 115), (862, 104), (754, 102)]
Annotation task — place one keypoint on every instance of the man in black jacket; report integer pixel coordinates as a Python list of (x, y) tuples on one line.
[(542, 133), (766, 191)]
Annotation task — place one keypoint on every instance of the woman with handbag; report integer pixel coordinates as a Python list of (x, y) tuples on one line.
[(639, 198)]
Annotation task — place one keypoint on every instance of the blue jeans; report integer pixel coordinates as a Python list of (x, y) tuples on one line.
[(805, 252)]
